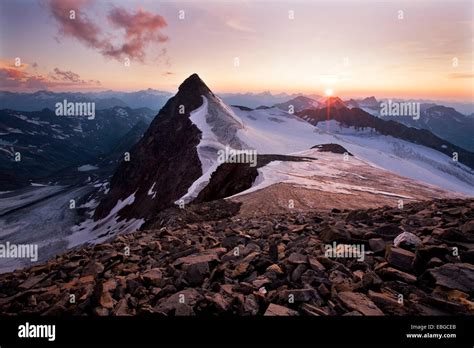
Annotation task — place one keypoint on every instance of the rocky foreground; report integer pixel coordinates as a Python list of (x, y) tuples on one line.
[(273, 265)]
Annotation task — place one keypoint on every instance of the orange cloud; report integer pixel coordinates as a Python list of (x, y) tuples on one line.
[(142, 29), (66, 76), (19, 78), (12, 73)]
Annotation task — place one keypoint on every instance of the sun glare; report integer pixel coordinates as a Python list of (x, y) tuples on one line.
[(328, 92)]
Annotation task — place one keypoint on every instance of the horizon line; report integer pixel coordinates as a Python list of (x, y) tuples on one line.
[(345, 96)]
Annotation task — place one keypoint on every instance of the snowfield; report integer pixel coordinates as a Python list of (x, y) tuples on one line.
[(206, 149), (324, 173), (291, 134), (90, 231), (39, 216), (212, 136)]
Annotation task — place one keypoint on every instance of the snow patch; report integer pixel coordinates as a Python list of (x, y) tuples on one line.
[(26, 119), (86, 168), (151, 192), (206, 149), (93, 232)]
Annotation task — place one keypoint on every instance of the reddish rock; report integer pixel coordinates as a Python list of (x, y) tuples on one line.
[(106, 300), (32, 280), (400, 258), (240, 270), (359, 302), (153, 276), (122, 309), (389, 273), (274, 268), (297, 258), (200, 258), (277, 310)]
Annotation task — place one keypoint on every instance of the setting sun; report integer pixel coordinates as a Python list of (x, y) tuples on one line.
[(329, 92)]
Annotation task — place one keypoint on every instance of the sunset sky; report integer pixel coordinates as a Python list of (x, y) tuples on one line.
[(356, 48)]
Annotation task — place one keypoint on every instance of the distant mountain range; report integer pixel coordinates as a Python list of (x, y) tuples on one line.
[(358, 119), (48, 143), (149, 98), (36, 101), (299, 103), (16, 127), (445, 122), (254, 100)]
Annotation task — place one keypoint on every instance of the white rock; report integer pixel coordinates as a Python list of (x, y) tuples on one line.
[(408, 238)]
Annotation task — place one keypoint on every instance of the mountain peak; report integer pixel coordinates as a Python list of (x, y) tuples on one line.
[(333, 102), (153, 167), (193, 77), (194, 83), (302, 98), (370, 101)]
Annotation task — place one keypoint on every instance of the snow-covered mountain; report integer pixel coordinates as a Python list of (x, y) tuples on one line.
[(178, 160), (176, 153), (273, 161), (254, 100), (299, 103), (445, 122), (363, 122), (331, 102), (302, 103), (369, 102)]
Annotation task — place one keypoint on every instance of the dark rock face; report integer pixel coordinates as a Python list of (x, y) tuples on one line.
[(227, 180), (244, 108), (334, 148), (360, 119), (202, 262), (232, 178), (165, 157)]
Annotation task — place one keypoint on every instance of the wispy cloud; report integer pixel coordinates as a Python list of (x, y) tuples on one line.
[(142, 29), (69, 76), (467, 75), (239, 26), (79, 26)]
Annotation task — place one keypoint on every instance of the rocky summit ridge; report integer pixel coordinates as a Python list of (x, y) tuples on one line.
[(418, 260)]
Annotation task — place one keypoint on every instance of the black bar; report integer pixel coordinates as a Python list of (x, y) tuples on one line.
[(289, 331)]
